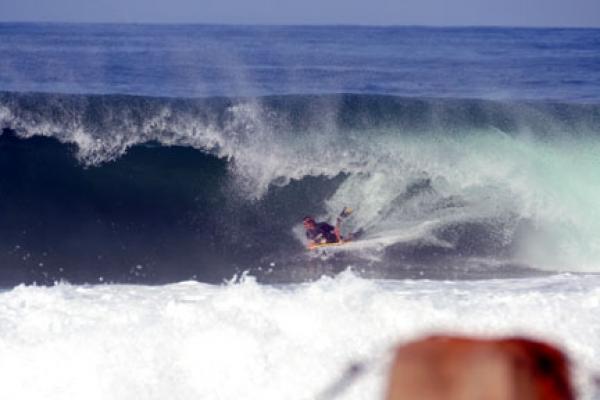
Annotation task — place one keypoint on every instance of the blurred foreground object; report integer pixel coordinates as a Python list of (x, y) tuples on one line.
[(453, 368)]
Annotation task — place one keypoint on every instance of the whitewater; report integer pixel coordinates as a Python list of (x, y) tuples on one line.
[(153, 180), (246, 340)]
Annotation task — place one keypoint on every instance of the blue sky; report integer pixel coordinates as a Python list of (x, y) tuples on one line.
[(370, 12)]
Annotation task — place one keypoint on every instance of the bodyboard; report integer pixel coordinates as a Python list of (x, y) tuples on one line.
[(324, 245)]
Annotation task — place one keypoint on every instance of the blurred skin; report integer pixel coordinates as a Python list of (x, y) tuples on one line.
[(466, 368)]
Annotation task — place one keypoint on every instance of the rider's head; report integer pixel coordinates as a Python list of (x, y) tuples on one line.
[(309, 222)]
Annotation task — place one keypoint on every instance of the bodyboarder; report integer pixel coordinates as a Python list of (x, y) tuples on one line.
[(322, 232)]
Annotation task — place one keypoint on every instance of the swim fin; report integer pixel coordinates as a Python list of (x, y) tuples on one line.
[(346, 212)]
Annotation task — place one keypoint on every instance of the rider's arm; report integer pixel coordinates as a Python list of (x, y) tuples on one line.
[(313, 239)]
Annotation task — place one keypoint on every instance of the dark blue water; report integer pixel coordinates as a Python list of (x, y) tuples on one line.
[(157, 153), (196, 60)]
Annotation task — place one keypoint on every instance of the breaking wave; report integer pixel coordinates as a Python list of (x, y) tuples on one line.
[(164, 189)]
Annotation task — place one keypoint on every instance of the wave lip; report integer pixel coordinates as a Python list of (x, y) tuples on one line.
[(103, 127)]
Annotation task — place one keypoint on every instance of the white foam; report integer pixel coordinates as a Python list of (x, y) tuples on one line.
[(250, 341)]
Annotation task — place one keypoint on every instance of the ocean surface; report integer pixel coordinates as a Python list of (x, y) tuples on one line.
[(153, 181)]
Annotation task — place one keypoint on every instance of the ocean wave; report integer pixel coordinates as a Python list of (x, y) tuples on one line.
[(431, 180)]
